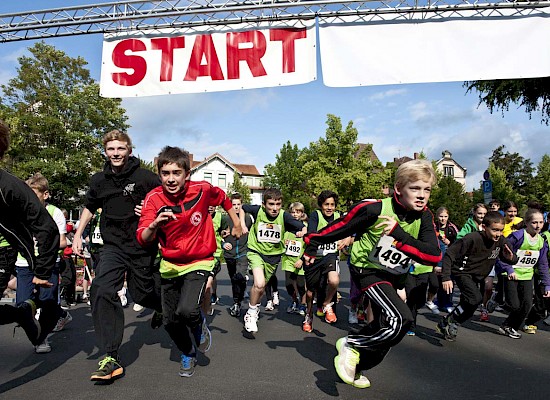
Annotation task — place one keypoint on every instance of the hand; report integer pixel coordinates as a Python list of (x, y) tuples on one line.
[(448, 287), (298, 264), (546, 294), (301, 233), (237, 231), (437, 270), (162, 219), (227, 246), (508, 253), (225, 233), (137, 209), (41, 282), (77, 246), (342, 244), (446, 241), (512, 276), (388, 225), (308, 260), (244, 229)]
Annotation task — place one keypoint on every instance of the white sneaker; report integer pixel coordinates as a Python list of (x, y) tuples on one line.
[(269, 306), (43, 347), (138, 308), (361, 381), (122, 295), (346, 361), (433, 308), (276, 299), (251, 321), (62, 322), (352, 318)]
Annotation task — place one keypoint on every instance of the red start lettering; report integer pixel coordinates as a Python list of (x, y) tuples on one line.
[(249, 47)]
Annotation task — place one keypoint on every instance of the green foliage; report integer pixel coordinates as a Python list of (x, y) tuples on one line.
[(57, 118), (502, 189), (239, 187), (541, 182), (518, 170), (450, 194), (531, 93)]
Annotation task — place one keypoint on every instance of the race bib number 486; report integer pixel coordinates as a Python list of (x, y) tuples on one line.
[(269, 233), (387, 257), (527, 258)]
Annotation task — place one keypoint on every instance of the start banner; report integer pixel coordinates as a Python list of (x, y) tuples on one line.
[(146, 63)]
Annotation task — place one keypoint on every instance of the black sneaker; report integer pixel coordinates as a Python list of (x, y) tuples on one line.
[(510, 332), (27, 321), (156, 320), (109, 368), (449, 330), (235, 310), (64, 304), (213, 300)]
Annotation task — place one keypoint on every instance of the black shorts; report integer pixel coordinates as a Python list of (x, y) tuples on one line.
[(319, 270)]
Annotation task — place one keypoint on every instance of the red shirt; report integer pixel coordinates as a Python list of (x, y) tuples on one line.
[(189, 238)]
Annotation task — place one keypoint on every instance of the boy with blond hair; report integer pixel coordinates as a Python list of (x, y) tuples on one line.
[(389, 235)]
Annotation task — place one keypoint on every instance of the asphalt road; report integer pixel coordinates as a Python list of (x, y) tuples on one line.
[(279, 362)]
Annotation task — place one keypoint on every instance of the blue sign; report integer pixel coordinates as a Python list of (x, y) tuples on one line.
[(486, 175), (487, 186)]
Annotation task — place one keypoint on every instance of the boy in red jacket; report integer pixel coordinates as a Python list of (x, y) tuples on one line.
[(176, 214)]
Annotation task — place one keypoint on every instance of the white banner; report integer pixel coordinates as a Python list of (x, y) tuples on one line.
[(212, 59), (443, 50)]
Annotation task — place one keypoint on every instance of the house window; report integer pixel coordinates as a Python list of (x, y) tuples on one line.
[(249, 181), (208, 177), (222, 180), (448, 170)]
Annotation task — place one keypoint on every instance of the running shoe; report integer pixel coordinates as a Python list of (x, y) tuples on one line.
[(510, 332), (269, 306), (330, 316), (156, 320), (484, 316), (43, 347), (411, 333), (449, 330), (64, 304), (187, 367), (319, 313), (251, 321), (276, 300), (491, 306), (432, 307), (346, 361), (213, 300), (138, 308), (293, 308), (26, 320), (307, 325), (530, 329), (109, 368), (361, 381), (206, 338), (122, 296), (352, 317), (302, 309), (235, 310), (62, 322)]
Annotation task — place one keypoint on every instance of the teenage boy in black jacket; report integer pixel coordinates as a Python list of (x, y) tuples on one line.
[(22, 220), (119, 191)]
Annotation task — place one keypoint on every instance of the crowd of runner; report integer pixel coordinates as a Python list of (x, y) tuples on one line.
[(162, 239)]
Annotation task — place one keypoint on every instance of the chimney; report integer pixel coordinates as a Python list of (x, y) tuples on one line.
[(416, 156)]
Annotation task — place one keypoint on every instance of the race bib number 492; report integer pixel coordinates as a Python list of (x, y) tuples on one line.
[(269, 233), (388, 257), (293, 248)]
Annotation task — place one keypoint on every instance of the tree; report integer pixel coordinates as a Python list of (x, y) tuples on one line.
[(502, 190), (57, 119), (338, 163), (239, 187), (531, 93), (287, 175), (541, 182), (518, 170), (450, 194)]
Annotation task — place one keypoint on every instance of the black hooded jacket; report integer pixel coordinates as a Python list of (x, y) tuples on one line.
[(22, 219), (118, 194)]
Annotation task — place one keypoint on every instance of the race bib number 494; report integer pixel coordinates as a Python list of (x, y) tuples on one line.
[(388, 257), (269, 233)]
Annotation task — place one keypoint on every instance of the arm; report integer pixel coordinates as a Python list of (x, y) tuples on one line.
[(292, 225), (237, 227), (425, 249), (503, 263), (454, 254), (85, 218), (542, 267), (467, 228)]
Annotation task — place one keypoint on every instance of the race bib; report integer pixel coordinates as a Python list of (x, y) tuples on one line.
[(328, 248), (96, 236), (387, 257), (269, 233), (527, 258), (293, 248)]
